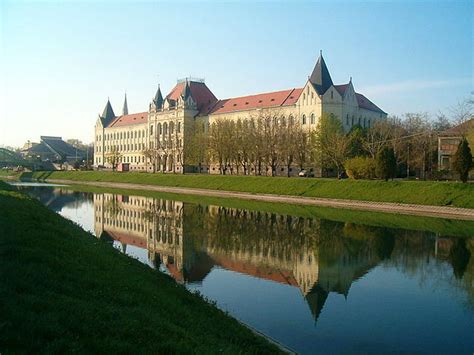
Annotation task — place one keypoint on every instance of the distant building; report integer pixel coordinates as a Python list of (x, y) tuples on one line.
[(448, 142), (52, 149), (167, 126)]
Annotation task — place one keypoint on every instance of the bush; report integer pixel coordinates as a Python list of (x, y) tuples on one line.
[(360, 168)]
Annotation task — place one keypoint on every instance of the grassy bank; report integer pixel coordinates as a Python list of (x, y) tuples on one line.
[(62, 290), (416, 192), (443, 227)]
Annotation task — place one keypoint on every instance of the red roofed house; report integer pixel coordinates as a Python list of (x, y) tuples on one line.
[(154, 140)]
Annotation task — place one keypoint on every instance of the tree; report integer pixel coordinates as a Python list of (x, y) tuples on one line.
[(356, 139), (386, 164), (113, 157), (463, 160), (152, 155), (330, 142), (196, 147)]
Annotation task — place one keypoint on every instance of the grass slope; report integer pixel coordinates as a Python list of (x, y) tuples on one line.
[(62, 290), (416, 192)]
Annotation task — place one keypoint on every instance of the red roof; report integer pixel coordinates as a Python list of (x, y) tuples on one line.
[(458, 130), (365, 103), (341, 88), (200, 93), (271, 99), (262, 272), (134, 118)]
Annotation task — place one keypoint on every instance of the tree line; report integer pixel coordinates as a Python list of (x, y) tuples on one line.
[(272, 142)]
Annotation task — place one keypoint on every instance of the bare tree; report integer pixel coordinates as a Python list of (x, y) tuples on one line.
[(113, 157)]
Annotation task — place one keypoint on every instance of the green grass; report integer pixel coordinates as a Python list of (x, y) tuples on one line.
[(415, 192), (62, 290), (442, 226), (8, 173)]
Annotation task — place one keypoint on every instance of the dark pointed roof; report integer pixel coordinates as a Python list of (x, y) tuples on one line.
[(125, 106), (320, 77), (186, 91), (108, 115), (158, 100)]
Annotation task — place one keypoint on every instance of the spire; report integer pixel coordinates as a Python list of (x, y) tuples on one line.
[(125, 106), (320, 77), (158, 100), (186, 91), (108, 113)]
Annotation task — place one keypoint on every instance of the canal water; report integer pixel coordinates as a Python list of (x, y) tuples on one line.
[(314, 285)]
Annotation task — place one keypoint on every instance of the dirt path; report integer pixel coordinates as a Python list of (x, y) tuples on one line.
[(389, 207)]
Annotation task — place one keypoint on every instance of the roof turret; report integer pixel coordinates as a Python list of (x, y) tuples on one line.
[(108, 114), (320, 77), (125, 106), (158, 100)]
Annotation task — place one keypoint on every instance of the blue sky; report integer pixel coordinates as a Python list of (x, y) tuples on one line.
[(59, 61)]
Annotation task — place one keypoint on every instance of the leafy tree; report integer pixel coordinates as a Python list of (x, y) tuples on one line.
[(463, 160), (330, 142), (386, 164), (355, 144)]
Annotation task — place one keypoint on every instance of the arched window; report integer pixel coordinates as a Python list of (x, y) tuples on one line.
[(151, 130), (165, 128), (347, 119), (368, 123), (364, 121), (312, 118), (292, 120), (171, 127), (179, 127), (304, 119)]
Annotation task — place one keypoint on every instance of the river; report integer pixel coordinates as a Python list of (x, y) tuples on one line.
[(312, 284)]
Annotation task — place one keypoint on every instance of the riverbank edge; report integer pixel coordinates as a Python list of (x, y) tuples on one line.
[(250, 338), (385, 207)]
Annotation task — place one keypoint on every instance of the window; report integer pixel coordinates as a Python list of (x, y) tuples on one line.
[(304, 119), (332, 94), (312, 118), (179, 127), (347, 119), (151, 130), (368, 123)]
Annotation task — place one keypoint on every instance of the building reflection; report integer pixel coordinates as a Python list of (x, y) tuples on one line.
[(316, 256)]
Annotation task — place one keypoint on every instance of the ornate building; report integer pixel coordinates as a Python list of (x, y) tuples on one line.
[(155, 139)]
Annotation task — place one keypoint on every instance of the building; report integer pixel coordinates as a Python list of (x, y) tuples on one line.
[(155, 139), (52, 149), (448, 142)]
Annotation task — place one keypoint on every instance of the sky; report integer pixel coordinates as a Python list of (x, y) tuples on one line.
[(60, 61)]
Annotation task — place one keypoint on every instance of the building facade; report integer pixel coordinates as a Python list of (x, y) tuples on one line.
[(154, 140), (448, 142)]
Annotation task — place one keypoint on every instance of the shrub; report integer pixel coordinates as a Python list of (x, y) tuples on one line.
[(360, 168)]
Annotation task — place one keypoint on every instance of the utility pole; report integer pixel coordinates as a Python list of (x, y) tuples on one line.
[(408, 163)]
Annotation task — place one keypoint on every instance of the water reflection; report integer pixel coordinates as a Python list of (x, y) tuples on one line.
[(315, 257)]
